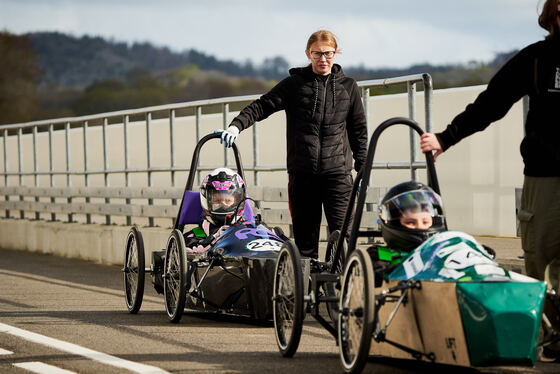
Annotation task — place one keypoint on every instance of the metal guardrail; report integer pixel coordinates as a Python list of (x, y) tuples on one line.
[(52, 200), (171, 110)]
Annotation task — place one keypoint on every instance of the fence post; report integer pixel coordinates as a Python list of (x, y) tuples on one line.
[(86, 175), (149, 161), (35, 168), (197, 117), (7, 197), (106, 166), (126, 171), (255, 154), (51, 175), (428, 91), (225, 120), (365, 102), (68, 178), (20, 162), (411, 89), (172, 148)]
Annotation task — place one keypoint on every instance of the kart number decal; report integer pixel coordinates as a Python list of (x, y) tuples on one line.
[(465, 257), (413, 265), (446, 251), (448, 235), (520, 277), (489, 269), (264, 245), (451, 273)]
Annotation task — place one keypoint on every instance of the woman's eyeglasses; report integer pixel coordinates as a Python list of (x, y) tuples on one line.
[(316, 55)]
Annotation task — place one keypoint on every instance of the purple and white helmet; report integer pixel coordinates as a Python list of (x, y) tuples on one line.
[(221, 193)]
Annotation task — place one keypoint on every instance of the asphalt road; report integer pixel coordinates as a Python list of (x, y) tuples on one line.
[(70, 314)]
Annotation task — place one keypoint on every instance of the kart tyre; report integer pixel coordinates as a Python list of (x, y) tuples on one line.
[(333, 289), (175, 276), (356, 319), (287, 300), (133, 270)]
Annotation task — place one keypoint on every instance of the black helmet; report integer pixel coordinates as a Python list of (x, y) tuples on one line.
[(405, 200), (221, 194)]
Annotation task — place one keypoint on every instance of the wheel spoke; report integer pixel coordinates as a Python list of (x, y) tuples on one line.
[(285, 303), (356, 301), (174, 274)]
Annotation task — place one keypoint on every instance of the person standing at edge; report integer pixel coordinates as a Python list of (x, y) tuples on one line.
[(534, 71), (326, 127)]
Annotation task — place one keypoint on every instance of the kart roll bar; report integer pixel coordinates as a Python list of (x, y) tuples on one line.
[(362, 180), (194, 166), (196, 153)]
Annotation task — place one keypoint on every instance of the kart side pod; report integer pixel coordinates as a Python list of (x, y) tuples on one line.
[(467, 323)]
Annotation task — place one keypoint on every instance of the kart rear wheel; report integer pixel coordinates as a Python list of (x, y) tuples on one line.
[(134, 271), (356, 319), (287, 300), (332, 289), (175, 276)]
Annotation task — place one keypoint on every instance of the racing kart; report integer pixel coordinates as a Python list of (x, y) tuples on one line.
[(234, 276), (491, 318)]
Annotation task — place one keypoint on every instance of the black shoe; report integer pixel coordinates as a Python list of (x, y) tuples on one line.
[(550, 355)]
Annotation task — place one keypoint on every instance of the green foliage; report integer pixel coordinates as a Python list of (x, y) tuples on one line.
[(112, 94), (49, 75), (18, 79), (141, 88)]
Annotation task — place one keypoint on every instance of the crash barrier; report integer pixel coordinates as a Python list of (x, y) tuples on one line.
[(108, 204), (56, 158)]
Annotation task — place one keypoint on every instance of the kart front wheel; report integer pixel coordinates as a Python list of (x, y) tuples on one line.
[(175, 276), (134, 271), (356, 317), (287, 301)]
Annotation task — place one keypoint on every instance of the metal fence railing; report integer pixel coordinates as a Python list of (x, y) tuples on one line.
[(170, 112)]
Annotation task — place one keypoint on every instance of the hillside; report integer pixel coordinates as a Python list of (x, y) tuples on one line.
[(57, 75), (70, 62)]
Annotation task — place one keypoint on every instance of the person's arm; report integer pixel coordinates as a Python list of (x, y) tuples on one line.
[(510, 83), (269, 103), (356, 127)]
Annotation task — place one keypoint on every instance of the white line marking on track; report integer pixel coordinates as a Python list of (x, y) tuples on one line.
[(81, 351), (5, 352), (41, 368)]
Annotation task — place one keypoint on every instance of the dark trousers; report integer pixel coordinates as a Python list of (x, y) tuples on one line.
[(539, 219), (308, 195)]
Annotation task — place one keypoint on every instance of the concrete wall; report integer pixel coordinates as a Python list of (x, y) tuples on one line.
[(477, 177), (98, 243)]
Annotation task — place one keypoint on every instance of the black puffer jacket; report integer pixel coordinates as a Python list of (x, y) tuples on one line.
[(534, 71), (326, 123)]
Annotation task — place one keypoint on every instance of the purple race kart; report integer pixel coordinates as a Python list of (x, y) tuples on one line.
[(235, 276)]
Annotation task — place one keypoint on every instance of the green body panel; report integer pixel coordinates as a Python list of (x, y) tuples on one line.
[(501, 321), (198, 232), (392, 256)]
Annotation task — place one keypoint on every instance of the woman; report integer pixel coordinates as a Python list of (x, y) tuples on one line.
[(534, 71), (326, 127)]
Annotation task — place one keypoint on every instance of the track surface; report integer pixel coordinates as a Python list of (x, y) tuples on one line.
[(47, 302)]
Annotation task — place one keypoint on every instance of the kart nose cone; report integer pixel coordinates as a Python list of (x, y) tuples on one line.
[(501, 321)]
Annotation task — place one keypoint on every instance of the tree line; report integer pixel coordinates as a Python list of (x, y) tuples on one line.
[(49, 75)]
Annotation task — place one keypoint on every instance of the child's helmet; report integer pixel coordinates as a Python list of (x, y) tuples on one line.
[(221, 196), (413, 196)]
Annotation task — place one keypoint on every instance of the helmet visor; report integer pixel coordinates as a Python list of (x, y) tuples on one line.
[(225, 201), (417, 201)]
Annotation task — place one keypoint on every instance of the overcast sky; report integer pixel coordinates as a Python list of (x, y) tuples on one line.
[(375, 33)]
